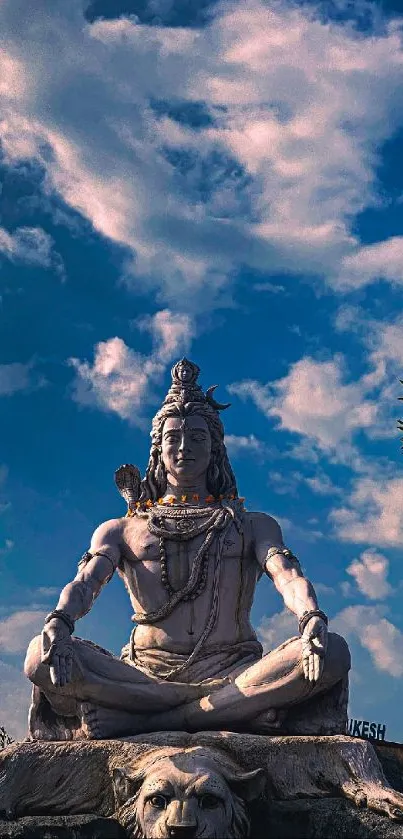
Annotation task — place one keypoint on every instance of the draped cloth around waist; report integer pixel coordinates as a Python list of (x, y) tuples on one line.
[(212, 662)]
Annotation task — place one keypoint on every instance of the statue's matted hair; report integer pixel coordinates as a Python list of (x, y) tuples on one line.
[(185, 398)]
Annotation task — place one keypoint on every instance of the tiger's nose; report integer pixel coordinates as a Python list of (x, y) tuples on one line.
[(182, 831)]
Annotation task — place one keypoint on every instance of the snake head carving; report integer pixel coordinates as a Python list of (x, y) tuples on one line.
[(128, 480)]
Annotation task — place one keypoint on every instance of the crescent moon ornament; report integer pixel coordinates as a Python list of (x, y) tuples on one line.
[(210, 399)]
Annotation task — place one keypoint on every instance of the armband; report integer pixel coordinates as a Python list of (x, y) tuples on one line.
[(87, 556), (84, 559), (284, 551)]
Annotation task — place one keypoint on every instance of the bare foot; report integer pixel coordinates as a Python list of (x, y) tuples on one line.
[(102, 723), (269, 722)]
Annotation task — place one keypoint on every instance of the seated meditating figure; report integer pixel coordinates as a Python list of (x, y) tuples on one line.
[(190, 557)]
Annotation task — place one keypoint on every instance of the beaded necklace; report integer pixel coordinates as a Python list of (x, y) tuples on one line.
[(216, 523), (185, 528)]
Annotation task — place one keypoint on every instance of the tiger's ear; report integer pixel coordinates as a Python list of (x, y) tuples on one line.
[(125, 784), (248, 785)]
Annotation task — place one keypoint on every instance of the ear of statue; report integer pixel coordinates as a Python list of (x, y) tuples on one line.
[(248, 785), (125, 785)]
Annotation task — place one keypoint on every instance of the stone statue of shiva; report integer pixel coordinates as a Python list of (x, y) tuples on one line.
[(190, 557)]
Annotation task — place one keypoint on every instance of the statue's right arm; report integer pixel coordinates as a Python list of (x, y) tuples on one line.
[(78, 596)]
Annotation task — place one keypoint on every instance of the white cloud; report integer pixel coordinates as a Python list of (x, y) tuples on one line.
[(239, 443), (17, 630), (275, 630), (379, 261), (16, 376), (120, 378), (15, 693), (370, 572), (273, 288), (321, 484), (171, 333), (31, 245), (380, 637), (383, 343), (285, 482), (373, 513), (316, 400), (297, 111), (313, 401)]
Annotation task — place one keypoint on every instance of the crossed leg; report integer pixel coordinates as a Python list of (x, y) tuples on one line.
[(274, 682), (112, 696), (123, 695)]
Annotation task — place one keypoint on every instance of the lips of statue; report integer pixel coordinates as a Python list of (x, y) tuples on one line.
[(186, 449)]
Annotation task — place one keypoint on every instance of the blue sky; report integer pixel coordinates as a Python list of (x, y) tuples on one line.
[(222, 180)]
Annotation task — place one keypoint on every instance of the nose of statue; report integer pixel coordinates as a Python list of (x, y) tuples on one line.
[(183, 445)]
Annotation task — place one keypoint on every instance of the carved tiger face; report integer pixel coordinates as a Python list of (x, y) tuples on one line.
[(194, 793)]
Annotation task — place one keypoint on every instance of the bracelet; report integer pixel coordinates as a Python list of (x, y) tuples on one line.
[(59, 613), (314, 613)]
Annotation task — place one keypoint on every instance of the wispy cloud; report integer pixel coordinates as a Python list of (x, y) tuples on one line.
[(7, 546), (379, 636), (372, 514), (244, 444), (15, 692), (370, 572), (383, 344), (120, 379), (313, 401), (17, 630), (283, 161), (273, 288), (31, 245), (274, 630), (322, 484), (16, 377), (380, 261), (319, 401)]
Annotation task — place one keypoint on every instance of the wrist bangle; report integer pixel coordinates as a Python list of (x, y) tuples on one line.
[(314, 613), (63, 616)]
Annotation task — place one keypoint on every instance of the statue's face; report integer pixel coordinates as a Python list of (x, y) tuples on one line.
[(186, 448), (184, 373)]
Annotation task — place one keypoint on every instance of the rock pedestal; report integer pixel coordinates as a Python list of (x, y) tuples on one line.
[(284, 787)]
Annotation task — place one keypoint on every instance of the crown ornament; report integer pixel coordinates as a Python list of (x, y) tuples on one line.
[(185, 388)]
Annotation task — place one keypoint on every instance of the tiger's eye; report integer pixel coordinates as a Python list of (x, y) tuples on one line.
[(158, 801), (209, 801)]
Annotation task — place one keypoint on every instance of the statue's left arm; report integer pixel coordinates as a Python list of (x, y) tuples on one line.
[(297, 591)]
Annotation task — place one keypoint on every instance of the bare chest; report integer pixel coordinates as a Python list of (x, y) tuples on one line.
[(154, 567), (142, 546)]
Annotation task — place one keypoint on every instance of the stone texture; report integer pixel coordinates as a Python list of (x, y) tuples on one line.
[(326, 819), (61, 827), (308, 782)]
